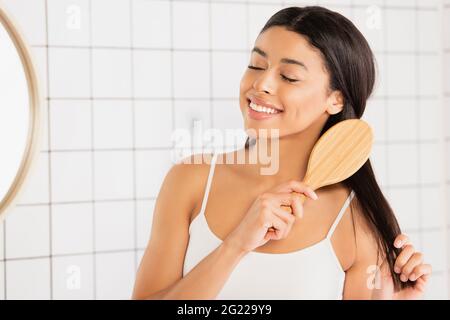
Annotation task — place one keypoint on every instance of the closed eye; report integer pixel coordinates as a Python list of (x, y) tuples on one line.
[(282, 76)]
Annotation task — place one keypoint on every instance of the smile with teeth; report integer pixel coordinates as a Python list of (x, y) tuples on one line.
[(259, 108)]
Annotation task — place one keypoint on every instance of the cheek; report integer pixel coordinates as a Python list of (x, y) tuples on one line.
[(305, 107), (308, 100), (246, 82), (244, 86)]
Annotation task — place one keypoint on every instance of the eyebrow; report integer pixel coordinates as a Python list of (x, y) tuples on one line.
[(284, 60)]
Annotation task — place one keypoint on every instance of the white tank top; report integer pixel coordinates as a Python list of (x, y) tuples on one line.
[(313, 272)]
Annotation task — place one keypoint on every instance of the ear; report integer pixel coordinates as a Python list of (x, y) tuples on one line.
[(335, 102)]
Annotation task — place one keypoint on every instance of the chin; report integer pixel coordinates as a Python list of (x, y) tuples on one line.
[(256, 129)]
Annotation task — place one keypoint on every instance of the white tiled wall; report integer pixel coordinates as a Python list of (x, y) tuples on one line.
[(117, 75)]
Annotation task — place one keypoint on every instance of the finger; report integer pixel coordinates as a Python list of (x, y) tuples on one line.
[(403, 257), (420, 284), (293, 202), (401, 240), (287, 217), (296, 186), (270, 234), (420, 271), (278, 199), (286, 199), (278, 224), (415, 260), (297, 206)]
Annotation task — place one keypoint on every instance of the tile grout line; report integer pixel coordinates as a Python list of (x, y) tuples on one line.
[(212, 98), (211, 76), (133, 126), (221, 50), (131, 250), (71, 254), (91, 99), (418, 131), (172, 70), (375, 97), (393, 186), (443, 111), (125, 149), (386, 101)]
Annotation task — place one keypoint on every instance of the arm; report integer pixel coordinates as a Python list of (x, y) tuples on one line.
[(160, 272), (206, 279)]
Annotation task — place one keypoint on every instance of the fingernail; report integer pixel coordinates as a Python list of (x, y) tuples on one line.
[(403, 278), (315, 196), (412, 277), (398, 243), (397, 270)]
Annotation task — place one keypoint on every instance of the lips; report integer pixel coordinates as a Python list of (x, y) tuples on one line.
[(256, 115), (263, 103)]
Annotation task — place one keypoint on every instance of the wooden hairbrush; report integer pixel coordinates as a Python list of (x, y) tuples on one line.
[(338, 154)]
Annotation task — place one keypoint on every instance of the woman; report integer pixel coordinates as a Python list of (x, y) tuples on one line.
[(310, 68)]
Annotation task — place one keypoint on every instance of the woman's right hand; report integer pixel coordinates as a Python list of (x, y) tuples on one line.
[(265, 212)]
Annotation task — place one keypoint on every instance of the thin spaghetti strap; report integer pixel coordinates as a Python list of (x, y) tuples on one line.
[(341, 213), (208, 183)]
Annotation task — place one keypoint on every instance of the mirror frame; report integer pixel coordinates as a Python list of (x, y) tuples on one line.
[(34, 135)]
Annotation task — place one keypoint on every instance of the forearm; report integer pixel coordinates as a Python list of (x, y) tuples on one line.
[(207, 278)]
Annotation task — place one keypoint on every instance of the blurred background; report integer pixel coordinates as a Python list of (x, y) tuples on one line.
[(119, 76)]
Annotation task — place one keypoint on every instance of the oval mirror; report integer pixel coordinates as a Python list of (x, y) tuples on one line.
[(19, 113)]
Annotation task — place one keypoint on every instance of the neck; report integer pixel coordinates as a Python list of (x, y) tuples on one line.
[(285, 158)]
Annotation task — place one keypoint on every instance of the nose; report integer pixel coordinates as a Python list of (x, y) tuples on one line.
[(263, 83)]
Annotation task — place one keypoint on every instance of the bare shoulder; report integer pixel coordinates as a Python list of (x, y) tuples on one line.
[(186, 180)]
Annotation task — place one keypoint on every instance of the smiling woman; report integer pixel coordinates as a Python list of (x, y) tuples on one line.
[(337, 76), (226, 236)]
